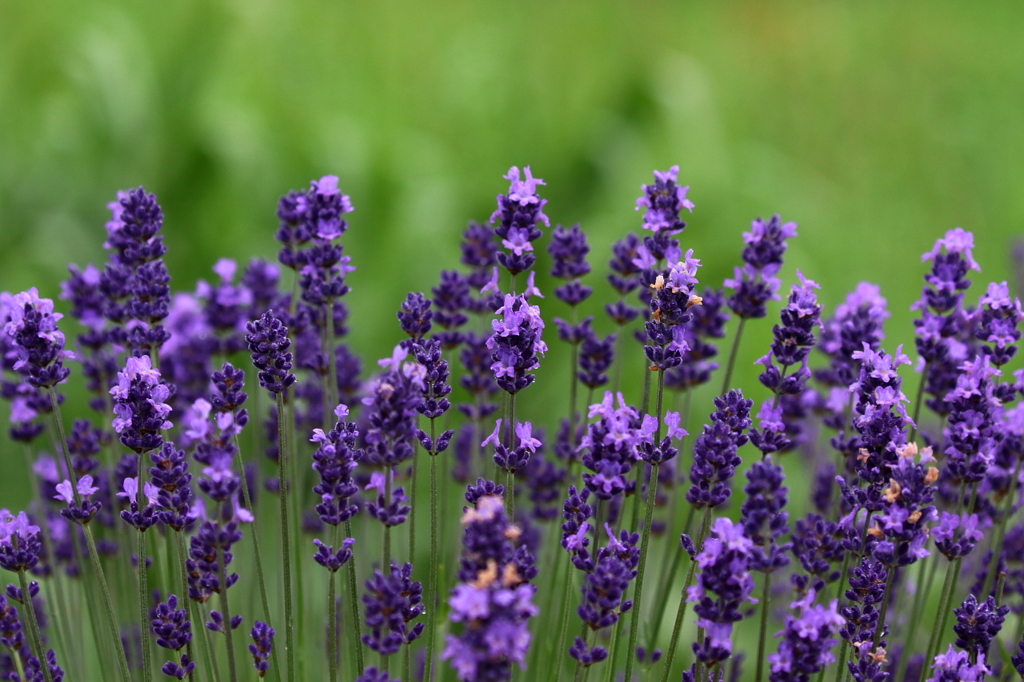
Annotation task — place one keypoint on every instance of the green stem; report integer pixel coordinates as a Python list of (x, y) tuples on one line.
[(766, 596), (997, 542), (286, 563), (883, 609), (108, 604), (247, 500), (140, 501), (665, 584), (353, 605), (332, 624), (681, 608), (645, 538), (226, 612), (923, 587), (917, 408), (952, 571), (94, 556), (432, 580), (386, 564), (33, 627), (563, 626), (732, 356)]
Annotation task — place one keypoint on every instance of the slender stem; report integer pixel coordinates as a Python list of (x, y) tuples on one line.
[(950, 580), (997, 541), (432, 579), (386, 564), (681, 609), (732, 356), (286, 563), (917, 407), (884, 608), (140, 501), (563, 622), (645, 538), (353, 605), (222, 571), (617, 359), (254, 534), (665, 584), (332, 624), (406, 666), (18, 664), (766, 596), (108, 604), (613, 648), (204, 641), (33, 627), (923, 587)]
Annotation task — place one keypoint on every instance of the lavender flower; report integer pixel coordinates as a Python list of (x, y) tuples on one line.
[(173, 631), (202, 565), (80, 508), (335, 459), (724, 584), (806, 641), (37, 343), (330, 559), (977, 625), (568, 249), (762, 517), (516, 220), (391, 410), (792, 341), (714, 453), (867, 587), (451, 297), (494, 602), (516, 343), (20, 545), (371, 674), (755, 283), (943, 320), (263, 642), (663, 201), (139, 405), (11, 634), (956, 666), (392, 603), (268, 342), (604, 587), (670, 305)]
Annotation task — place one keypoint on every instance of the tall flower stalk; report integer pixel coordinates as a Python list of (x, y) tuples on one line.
[(268, 343)]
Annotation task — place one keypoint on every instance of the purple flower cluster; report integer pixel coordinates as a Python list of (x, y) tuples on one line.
[(391, 409), (610, 447), (493, 599), (807, 640), (604, 589), (262, 643), (714, 453), (36, 343), (755, 283), (670, 311), (762, 517), (334, 460), (268, 344), (173, 631), (392, 602), (139, 403), (515, 220), (515, 343), (663, 201), (724, 584)]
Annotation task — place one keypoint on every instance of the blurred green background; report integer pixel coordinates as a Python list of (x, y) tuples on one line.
[(876, 126)]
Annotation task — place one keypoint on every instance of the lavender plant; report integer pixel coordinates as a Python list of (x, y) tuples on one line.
[(895, 492)]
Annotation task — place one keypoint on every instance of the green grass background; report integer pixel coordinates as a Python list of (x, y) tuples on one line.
[(876, 126)]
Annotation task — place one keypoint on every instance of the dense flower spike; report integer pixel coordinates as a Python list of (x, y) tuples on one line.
[(516, 343), (762, 517), (493, 599), (714, 454), (604, 587), (20, 544), (670, 311), (263, 642), (515, 221), (139, 403), (391, 409), (663, 201), (269, 343), (724, 584), (944, 331), (755, 283), (335, 460), (807, 640), (37, 344), (173, 631), (977, 625), (392, 602)]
